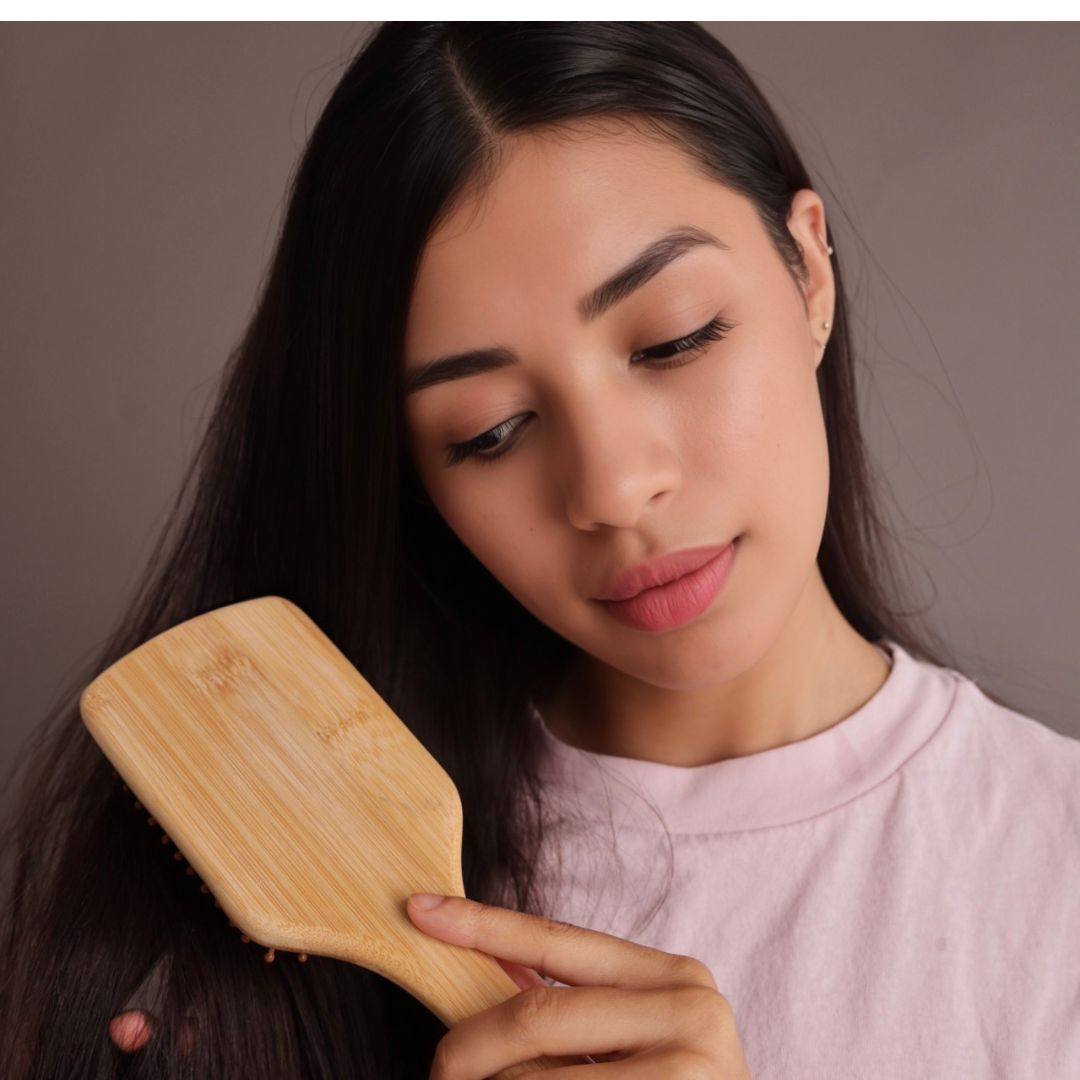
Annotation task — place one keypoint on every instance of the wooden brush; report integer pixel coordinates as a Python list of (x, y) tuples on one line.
[(307, 808)]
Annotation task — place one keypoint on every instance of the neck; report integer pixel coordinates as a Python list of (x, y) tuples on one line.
[(818, 671)]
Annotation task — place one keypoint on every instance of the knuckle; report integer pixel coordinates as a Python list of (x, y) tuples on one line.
[(554, 929), (716, 1030), (696, 1003), (703, 1016), (477, 919), (444, 1062), (557, 928), (723, 1008), (687, 1064), (691, 970), (531, 1010)]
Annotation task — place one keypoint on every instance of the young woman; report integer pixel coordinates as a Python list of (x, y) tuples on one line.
[(547, 416)]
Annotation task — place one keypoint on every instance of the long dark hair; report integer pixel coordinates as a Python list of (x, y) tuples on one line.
[(302, 487)]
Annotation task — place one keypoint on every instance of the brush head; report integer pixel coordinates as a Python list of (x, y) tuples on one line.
[(306, 806)]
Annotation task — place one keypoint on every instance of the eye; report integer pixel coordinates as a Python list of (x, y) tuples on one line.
[(690, 345), (477, 447), (715, 329)]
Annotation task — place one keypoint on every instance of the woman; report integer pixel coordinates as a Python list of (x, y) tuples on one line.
[(554, 318)]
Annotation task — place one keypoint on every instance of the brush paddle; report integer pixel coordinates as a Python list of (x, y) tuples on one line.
[(307, 808)]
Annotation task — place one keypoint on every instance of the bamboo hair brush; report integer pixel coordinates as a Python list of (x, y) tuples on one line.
[(307, 808)]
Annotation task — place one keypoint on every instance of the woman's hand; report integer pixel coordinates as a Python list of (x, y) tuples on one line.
[(644, 1012), (130, 1031)]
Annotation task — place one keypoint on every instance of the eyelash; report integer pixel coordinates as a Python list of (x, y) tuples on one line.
[(694, 343)]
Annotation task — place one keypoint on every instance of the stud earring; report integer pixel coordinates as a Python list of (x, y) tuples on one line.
[(826, 325)]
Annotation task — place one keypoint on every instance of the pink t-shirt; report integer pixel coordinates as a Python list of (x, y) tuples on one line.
[(896, 896)]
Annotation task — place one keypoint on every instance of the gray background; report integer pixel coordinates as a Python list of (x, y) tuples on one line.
[(144, 172)]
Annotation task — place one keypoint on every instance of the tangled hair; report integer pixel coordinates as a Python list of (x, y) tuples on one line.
[(302, 487)]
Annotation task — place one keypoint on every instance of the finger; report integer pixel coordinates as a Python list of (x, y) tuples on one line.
[(573, 1021), (131, 1031), (665, 1061), (571, 954)]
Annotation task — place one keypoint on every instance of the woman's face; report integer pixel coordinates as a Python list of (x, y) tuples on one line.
[(606, 458)]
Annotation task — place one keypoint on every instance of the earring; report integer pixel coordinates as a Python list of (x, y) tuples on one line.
[(826, 325)]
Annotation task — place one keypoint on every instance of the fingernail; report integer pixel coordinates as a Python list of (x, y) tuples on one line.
[(425, 901)]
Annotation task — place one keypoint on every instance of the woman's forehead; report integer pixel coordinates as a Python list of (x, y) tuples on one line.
[(558, 216), (573, 186)]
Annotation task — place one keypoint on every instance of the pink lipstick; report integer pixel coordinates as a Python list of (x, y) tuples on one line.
[(664, 607)]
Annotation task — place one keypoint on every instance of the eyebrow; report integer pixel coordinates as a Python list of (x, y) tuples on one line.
[(640, 269)]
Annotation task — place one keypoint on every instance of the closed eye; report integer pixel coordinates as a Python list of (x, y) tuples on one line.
[(715, 329), (684, 349)]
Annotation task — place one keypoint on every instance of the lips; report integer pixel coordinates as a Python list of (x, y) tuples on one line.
[(659, 571), (679, 602)]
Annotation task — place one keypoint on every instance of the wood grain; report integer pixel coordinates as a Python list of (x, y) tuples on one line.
[(305, 805)]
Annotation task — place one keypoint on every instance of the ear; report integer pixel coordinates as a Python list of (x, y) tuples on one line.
[(807, 225)]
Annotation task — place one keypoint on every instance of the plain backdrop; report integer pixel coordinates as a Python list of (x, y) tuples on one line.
[(144, 170)]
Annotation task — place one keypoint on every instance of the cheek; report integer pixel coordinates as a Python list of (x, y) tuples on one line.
[(531, 558), (756, 436), (500, 527), (485, 526), (497, 517)]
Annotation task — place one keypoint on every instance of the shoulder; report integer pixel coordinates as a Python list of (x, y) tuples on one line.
[(1010, 757), (1023, 742)]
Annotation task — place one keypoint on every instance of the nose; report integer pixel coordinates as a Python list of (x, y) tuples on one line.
[(618, 458)]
